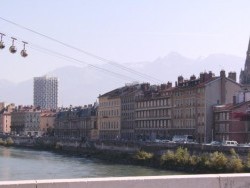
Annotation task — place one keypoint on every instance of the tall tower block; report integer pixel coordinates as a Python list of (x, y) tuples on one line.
[(45, 92)]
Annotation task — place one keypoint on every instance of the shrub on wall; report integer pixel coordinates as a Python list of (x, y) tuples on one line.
[(142, 155), (9, 141), (235, 164), (2, 142)]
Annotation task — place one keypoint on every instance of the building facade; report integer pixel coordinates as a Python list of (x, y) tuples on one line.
[(47, 122), (193, 101), (109, 115), (232, 122), (128, 106), (26, 121), (45, 93), (77, 122), (5, 117), (153, 113)]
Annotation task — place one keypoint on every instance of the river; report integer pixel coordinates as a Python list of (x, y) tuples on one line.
[(25, 164)]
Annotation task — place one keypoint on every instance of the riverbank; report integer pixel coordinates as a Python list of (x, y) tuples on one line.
[(177, 159)]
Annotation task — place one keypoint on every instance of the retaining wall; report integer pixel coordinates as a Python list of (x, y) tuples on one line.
[(175, 181)]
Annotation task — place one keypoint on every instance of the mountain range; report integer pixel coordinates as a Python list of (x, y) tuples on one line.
[(83, 85)]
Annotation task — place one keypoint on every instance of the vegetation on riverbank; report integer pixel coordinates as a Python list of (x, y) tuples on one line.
[(6, 142), (182, 160)]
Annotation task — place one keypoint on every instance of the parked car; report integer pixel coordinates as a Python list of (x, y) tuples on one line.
[(244, 145), (230, 143), (215, 143), (183, 138)]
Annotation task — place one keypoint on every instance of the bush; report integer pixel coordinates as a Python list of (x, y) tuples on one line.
[(248, 161), (2, 142), (235, 164), (142, 155), (182, 156), (218, 162), (167, 159), (9, 141)]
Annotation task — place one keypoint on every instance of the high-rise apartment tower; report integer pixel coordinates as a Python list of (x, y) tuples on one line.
[(45, 92)]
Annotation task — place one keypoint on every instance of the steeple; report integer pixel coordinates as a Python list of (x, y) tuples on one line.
[(247, 63), (245, 74), (248, 50)]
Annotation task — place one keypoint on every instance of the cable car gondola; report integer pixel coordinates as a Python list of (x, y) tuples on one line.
[(23, 52), (2, 46), (12, 48)]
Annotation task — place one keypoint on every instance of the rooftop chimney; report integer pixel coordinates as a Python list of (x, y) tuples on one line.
[(232, 76)]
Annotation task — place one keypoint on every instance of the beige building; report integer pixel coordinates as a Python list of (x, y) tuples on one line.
[(77, 123), (47, 121), (109, 115), (5, 117), (153, 113), (193, 101), (128, 105), (25, 120)]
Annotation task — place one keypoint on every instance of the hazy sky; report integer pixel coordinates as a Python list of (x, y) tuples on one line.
[(124, 31)]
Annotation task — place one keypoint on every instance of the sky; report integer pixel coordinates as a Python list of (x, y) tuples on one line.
[(121, 31)]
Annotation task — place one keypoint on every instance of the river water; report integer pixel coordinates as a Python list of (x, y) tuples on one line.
[(25, 164)]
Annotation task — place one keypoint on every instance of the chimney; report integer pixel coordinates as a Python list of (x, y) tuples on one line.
[(192, 77), (180, 79), (232, 76), (202, 77), (223, 86), (234, 100), (210, 75), (169, 85), (145, 86), (163, 86), (222, 73)]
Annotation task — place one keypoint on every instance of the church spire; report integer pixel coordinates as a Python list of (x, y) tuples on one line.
[(248, 50), (245, 74)]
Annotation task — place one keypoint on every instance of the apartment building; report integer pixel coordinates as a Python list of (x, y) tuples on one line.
[(47, 122), (128, 96), (231, 122), (109, 115), (77, 122), (5, 117), (25, 120), (45, 93), (153, 112), (193, 100)]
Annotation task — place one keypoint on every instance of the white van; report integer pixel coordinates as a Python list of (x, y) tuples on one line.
[(230, 143)]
